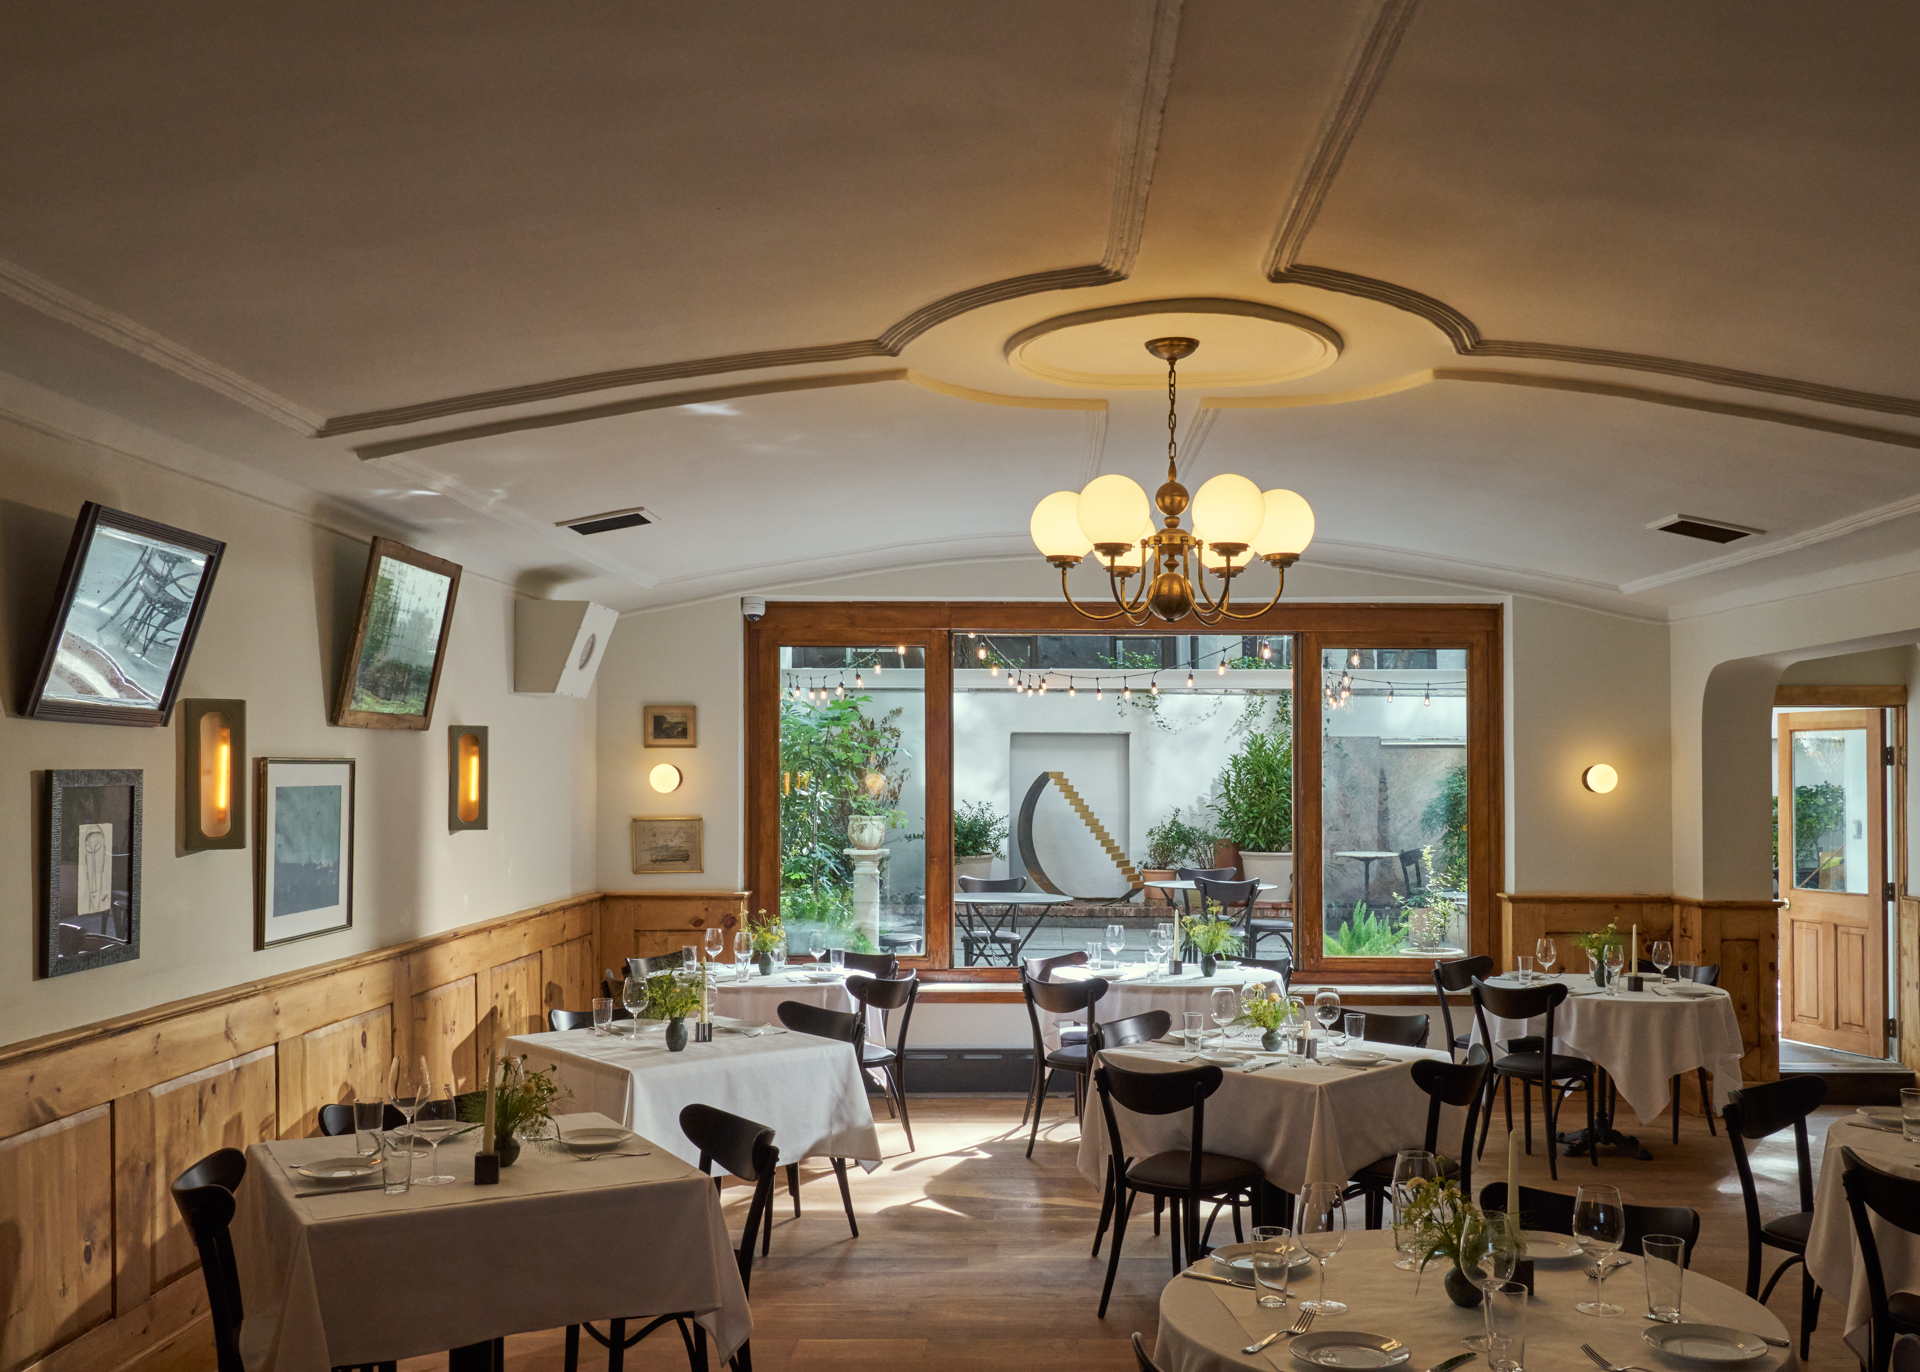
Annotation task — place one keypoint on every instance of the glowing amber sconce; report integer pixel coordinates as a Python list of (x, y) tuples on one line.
[(213, 806), (466, 777)]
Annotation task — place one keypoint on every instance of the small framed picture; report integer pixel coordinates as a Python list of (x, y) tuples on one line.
[(92, 913), (392, 672), (303, 848), (668, 843), (667, 726)]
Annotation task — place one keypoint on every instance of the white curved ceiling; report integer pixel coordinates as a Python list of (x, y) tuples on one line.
[(755, 267)]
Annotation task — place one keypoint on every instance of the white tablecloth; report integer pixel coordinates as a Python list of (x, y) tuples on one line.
[(1132, 992), (1643, 1039), (1833, 1254), (366, 1277), (1300, 1124), (759, 998), (807, 1090), (1203, 1326)]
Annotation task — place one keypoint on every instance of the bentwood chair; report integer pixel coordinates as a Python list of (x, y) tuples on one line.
[(204, 1195), (887, 995), (971, 937), (1184, 1177), (1757, 1112), (1041, 969), (1059, 998), (1556, 1076), (1458, 976), (1145, 1027), (612, 983), (1906, 1353), (1146, 1364), (1896, 1200), (1553, 1212), (559, 1021), (1707, 975), (337, 1120), (1402, 1031), (1200, 874), (842, 1026), (883, 965), (1461, 1084)]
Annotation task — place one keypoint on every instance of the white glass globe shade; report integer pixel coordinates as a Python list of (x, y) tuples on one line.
[(1288, 527), (1214, 562), (1111, 509), (1228, 509), (1055, 526), (1135, 556)]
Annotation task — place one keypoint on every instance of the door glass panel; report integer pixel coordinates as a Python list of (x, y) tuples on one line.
[(853, 851), (1830, 810), (1393, 795)]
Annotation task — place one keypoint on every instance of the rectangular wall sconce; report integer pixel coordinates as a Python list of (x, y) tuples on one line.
[(213, 803), (466, 777)]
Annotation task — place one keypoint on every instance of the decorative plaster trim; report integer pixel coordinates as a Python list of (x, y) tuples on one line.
[(1096, 445), (1021, 402), (1148, 378), (1825, 533)]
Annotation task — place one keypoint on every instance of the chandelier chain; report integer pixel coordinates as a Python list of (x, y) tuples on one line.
[(1173, 392)]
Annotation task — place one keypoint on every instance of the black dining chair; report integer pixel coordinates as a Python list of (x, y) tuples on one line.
[(1041, 969), (1461, 1085), (1757, 1112), (204, 1195), (336, 1121), (1896, 1200), (1556, 1076), (887, 995), (1458, 976), (1058, 998), (1199, 874), (1143, 1363), (1707, 974), (1184, 1177), (1552, 1212), (1005, 941), (882, 965), (1906, 1353), (842, 1026), (1146, 1027), (1402, 1031), (560, 1021)]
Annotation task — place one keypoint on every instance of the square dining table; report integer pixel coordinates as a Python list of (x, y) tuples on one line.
[(334, 1278)]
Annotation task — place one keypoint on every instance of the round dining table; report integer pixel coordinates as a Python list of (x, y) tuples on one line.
[(1204, 1326), (1137, 989), (1833, 1253)]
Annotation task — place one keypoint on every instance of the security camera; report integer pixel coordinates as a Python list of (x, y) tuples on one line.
[(753, 606)]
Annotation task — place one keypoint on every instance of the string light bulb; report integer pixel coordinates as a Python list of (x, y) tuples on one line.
[(1072, 691), (1353, 658), (1427, 699), (1127, 693), (981, 652), (902, 650), (1266, 651), (993, 669), (1222, 669), (858, 681), (1156, 686), (1389, 693), (1189, 681), (1098, 693)]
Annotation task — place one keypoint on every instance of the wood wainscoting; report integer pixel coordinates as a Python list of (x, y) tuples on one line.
[(96, 1270)]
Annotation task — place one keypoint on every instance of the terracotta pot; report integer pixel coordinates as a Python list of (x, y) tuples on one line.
[(1157, 897), (1226, 855)]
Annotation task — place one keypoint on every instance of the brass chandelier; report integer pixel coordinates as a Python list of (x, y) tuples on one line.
[(1234, 522)]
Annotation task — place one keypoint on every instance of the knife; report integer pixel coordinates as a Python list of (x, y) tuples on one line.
[(1454, 1361), (341, 1190), (1223, 1281)]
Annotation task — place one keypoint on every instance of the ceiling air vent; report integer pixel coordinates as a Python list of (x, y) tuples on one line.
[(606, 523), (1712, 530)]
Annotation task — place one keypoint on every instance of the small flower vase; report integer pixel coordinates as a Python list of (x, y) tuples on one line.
[(507, 1148), (1270, 1041), (1599, 969), (1206, 964), (763, 964), (1461, 1291), (676, 1036)]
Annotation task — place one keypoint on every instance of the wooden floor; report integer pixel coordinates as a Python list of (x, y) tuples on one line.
[(972, 1257)]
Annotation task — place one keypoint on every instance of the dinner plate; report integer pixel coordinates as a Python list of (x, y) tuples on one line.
[(340, 1169), (1219, 1059), (738, 1026), (594, 1138), (1690, 990), (1236, 1259), (822, 978), (1357, 1059), (1705, 1343), (1349, 1348), (1545, 1247)]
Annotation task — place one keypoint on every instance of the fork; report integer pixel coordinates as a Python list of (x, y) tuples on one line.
[(595, 1157), (1587, 1348), (1300, 1326)]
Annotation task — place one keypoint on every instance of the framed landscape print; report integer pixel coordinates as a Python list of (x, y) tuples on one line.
[(668, 843), (667, 726), (129, 603), (92, 910), (303, 848), (392, 672)]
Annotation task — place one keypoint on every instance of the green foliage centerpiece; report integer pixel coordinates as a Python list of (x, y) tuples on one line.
[(523, 1101), (1210, 934), (1269, 1013), (767, 933), (673, 998)]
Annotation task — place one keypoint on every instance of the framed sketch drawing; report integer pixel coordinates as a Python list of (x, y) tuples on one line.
[(303, 848), (668, 726), (669, 843), (392, 671), (129, 604), (92, 860)]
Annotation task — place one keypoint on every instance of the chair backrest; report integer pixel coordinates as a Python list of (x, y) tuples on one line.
[(1765, 1108), (1410, 870), (1158, 1093), (1906, 1353), (560, 1020), (1521, 1003), (1897, 1201), (1066, 997), (1141, 1028), (1458, 1084), (841, 1025), (883, 965), (1457, 975), (993, 883), (887, 994), (1281, 967), (1146, 1364), (337, 1120), (204, 1195), (1041, 969), (1206, 873), (646, 967), (746, 1150), (1404, 1031), (1234, 897), (1707, 974), (1553, 1212)]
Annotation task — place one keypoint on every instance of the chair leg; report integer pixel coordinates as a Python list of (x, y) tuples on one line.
[(1809, 1308), (793, 1187), (1526, 1110), (766, 1232), (1706, 1101), (1106, 1210), (846, 1196), (616, 1345), (1509, 1105), (1675, 1109), (897, 1080), (1176, 1231), (1239, 1235), (1486, 1117), (1593, 1124), (1159, 1204), (572, 1363), (1123, 1204), (1550, 1107), (1039, 1100)]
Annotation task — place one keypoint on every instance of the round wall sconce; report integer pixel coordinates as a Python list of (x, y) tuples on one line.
[(664, 778), (1600, 778)]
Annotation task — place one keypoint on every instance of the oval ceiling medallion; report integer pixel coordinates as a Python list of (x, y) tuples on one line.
[(1242, 343)]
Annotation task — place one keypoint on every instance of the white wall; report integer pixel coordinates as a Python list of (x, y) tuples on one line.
[(274, 634)]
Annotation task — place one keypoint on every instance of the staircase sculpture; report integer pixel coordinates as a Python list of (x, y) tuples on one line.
[(1087, 817)]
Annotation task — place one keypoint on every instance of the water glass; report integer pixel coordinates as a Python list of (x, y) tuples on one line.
[(689, 959), (1356, 1027), (779, 957), (1910, 1112), (1224, 1006), (1093, 955), (602, 1014), (368, 1116), (1193, 1025), (743, 947), (1506, 1303), (1616, 958), (1523, 969), (1272, 1263), (396, 1162), (1665, 1261), (837, 959)]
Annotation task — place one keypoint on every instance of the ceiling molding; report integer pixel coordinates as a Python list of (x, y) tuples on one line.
[(1357, 87), (1194, 440), (1020, 402), (1096, 445), (1825, 533), (1149, 378), (56, 302)]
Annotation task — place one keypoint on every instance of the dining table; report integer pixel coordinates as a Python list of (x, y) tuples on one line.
[(808, 1090), (981, 915), (1136, 989), (758, 999), (342, 1275), (1833, 1252), (1206, 1327)]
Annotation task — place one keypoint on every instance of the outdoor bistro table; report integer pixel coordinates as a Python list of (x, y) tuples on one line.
[(982, 914), (1366, 858)]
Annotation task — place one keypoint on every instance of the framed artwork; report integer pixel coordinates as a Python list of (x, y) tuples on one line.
[(303, 848), (130, 601), (392, 672), (668, 726), (668, 843), (92, 911)]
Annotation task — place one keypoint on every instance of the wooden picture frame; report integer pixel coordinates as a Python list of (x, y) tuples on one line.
[(669, 726), (391, 675), (303, 848), (669, 844), (128, 608), (91, 914)]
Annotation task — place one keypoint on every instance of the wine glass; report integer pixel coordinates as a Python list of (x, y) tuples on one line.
[(1662, 957), (1321, 1228), (817, 945), (1410, 1165), (436, 1124), (1599, 1227), (1616, 955), (1488, 1256), (716, 942), (1224, 1004), (634, 996), (1116, 941), (1326, 1009), (1156, 952), (408, 1090), (1545, 954)]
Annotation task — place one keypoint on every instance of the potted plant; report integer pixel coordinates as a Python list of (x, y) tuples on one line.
[(1211, 935), (1439, 1216), (1596, 942), (767, 934), (672, 998), (1255, 804), (1268, 1014), (1171, 844), (978, 832), (523, 1102)]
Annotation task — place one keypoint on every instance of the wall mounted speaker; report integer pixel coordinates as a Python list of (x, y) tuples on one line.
[(558, 645)]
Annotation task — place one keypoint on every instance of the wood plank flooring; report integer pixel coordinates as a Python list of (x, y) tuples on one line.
[(971, 1257)]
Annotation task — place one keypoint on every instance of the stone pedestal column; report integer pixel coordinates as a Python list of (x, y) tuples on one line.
[(866, 891)]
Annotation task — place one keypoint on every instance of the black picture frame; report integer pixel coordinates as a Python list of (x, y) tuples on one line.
[(90, 912), (99, 663)]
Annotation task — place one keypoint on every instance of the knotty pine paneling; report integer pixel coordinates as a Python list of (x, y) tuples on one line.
[(229, 1105), (517, 998), (644, 924), (570, 976), (338, 1062), (56, 1235), (443, 1031)]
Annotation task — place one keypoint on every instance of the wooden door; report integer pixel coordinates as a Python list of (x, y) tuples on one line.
[(1833, 926)]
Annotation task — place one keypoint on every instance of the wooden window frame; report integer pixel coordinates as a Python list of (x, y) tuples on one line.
[(930, 625)]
